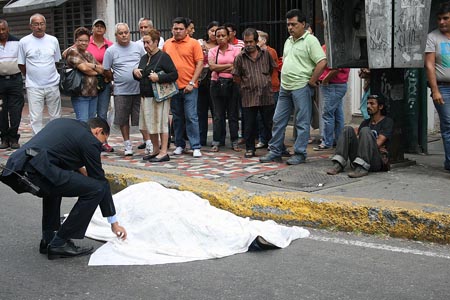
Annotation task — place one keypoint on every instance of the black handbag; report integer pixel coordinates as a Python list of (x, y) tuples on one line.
[(101, 83), (70, 81)]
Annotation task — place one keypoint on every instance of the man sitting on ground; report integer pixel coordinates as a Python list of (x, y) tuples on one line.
[(368, 147)]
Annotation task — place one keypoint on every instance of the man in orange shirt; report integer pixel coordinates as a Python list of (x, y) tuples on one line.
[(187, 55)]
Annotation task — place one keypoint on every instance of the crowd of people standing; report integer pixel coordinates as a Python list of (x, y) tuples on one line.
[(242, 83)]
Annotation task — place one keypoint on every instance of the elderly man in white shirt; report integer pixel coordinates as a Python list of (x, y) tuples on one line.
[(38, 53)]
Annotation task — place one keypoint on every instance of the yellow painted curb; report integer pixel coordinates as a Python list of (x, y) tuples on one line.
[(375, 216)]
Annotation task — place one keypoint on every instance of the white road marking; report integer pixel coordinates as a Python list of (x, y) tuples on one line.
[(378, 246)]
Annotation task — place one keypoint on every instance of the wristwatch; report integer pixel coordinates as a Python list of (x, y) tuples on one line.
[(191, 83)]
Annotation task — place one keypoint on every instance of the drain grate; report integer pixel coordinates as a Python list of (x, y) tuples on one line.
[(301, 180)]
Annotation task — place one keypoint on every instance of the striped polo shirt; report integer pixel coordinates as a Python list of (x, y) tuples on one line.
[(256, 78)]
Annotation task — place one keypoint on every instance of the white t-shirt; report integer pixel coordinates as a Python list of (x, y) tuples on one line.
[(39, 56), (123, 60)]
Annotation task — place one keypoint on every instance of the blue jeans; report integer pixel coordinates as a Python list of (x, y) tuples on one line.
[(288, 101), (103, 102), (184, 112), (444, 117), (333, 112), (84, 107)]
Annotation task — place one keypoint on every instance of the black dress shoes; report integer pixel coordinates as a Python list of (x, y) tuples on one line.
[(150, 156), (43, 247), (67, 250), (161, 159)]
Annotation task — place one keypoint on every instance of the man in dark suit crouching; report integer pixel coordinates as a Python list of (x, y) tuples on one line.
[(63, 160)]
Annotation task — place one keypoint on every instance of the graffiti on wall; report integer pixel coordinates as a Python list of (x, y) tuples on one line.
[(410, 29)]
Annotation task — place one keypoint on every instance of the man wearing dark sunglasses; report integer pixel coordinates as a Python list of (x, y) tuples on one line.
[(368, 147), (63, 160)]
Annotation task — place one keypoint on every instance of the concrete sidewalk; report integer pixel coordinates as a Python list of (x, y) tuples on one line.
[(409, 201)]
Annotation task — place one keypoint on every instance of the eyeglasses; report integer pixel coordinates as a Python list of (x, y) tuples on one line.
[(123, 32), (38, 24)]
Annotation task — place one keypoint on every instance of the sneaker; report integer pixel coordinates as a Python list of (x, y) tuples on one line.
[(337, 168), (178, 151), (358, 172), (270, 157), (197, 153), (148, 148), (128, 149), (296, 159)]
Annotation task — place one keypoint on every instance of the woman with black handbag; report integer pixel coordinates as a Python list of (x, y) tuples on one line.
[(84, 104), (221, 59), (155, 67)]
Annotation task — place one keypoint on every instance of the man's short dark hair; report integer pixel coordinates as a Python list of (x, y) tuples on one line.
[(296, 13), (444, 8), (230, 25), (223, 28), (251, 31), (180, 20), (99, 122), (189, 21), (380, 101)]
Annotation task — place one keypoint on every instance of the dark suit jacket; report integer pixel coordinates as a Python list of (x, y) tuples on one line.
[(63, 145)]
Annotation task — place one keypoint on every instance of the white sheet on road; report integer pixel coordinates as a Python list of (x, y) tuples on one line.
[(170, 226)]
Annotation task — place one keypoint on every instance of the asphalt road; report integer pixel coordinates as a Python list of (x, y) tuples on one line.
[(328, 265)]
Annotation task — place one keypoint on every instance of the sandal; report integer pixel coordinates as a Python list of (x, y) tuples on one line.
[(214, 148), (235, 147), (322, 147), (249, 154)]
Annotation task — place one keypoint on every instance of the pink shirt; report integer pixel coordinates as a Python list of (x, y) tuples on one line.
[(341, 77), (97, 52), (223, 58)]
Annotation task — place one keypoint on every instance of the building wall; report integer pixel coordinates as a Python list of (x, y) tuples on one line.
[(61, 20)]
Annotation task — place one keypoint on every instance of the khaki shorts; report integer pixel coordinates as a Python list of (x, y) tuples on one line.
[(124, 107), (154, 116)]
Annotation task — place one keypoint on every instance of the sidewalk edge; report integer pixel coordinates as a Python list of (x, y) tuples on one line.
[(374, 216)]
